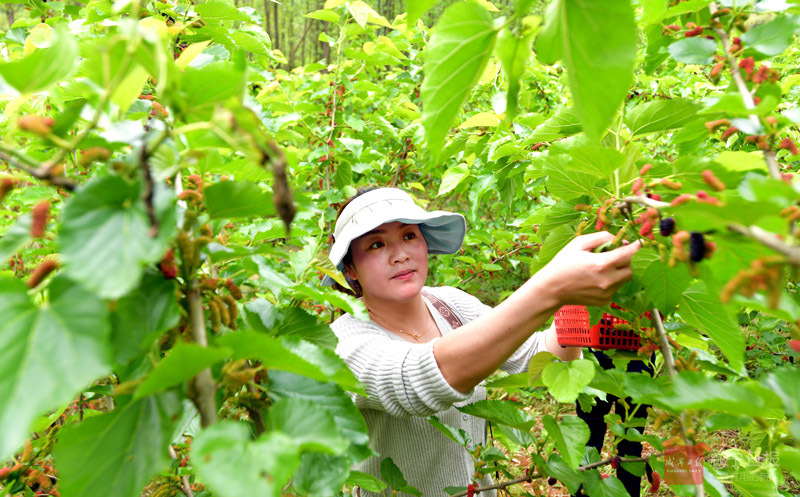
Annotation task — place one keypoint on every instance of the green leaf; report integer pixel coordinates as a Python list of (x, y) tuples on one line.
[(264, 317), (203, 88), (459, 48), (415, 9), (312, 429), (119, 452), (105, 234), (599, 56), (219, 10), (457, 435), (686, 7), (46, 355), (500, 412), (565, 380), (366, 481), (566, 183), (773, 37), (182, 363), (15, 237), (230, 199), (321, 475), (596, 486), (331, 398), (142, 315), (693, 390), (785, 382), (563, 123), (232, 464), (537, 365), (741, 161), (353, 145), (703, 310), (394, 477), (44, 66), (324, 15), (294, 356), (661, 115), (558, 468), (697, 50), (514, 52), (452, 178), (664, 285), (570, 436)]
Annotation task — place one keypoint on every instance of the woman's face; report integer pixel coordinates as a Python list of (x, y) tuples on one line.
[(390, 262)]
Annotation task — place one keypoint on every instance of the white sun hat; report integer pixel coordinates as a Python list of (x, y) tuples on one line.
[(443, 231)]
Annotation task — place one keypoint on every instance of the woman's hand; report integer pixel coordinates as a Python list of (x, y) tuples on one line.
[(576, 275)]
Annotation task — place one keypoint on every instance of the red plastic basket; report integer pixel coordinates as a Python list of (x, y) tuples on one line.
[(572, 329)]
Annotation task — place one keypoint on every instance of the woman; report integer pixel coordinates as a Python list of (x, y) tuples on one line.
[(409, 357)]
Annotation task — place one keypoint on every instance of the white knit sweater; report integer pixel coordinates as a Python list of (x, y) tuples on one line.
[(404, 384)]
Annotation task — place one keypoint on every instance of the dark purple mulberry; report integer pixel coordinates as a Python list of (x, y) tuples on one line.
[(667, 226), (697, 246)]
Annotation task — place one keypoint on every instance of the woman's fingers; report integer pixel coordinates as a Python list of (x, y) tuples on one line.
[(621, 256), (593, 240)]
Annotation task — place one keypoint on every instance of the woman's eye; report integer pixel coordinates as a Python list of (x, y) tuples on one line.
[(375, 245), (410, 236)]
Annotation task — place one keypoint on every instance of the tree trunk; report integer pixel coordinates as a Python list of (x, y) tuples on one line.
[(277, 41), (10, 15), (266, 20)]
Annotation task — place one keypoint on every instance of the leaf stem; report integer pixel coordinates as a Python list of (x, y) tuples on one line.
[(203, 385)]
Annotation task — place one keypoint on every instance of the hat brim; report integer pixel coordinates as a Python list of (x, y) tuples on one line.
[(443, 232)]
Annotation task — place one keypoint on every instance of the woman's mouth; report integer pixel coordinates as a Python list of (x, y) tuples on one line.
[(404, 275)]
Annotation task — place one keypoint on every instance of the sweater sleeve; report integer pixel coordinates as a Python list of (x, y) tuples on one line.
[(400, 378)]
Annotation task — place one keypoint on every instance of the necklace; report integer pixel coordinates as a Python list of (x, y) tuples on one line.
[(415, 336)]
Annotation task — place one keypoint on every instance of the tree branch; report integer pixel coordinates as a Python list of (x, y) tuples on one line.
[(536, 476), (203, 387), (770, 240), (184, 479), (646, 201), (747, 96), (42, 172)]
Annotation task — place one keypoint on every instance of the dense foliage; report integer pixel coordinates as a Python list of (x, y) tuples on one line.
[(167, 188)]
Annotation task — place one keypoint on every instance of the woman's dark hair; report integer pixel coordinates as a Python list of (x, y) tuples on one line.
[(355, 288)]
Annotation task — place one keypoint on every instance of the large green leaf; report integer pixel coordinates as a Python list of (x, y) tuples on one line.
[(331, 398), (773, 37), (202, 89), (566, 183), (119, 452), (597, 42), (261, 315), (292, 355), (104, 235), (703, 310), (693, 390), (597, 486), (461, 45), (500, 412), (563, 123), (312, 429), (44, 66), (415, 9), (514, 52), (232, 464), (695, 50), (394, 477), (46, 354), (142, 315), (570, 436), (661, 115), (219, 10), (565, 380), (321, 475), (664, 285), (228, 199), (182, 362)]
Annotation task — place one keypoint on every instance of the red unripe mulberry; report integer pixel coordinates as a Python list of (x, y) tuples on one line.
[(39, 215), (705, 198), (712, 125), (747, 64), (167, 265), (235, 291), (4, 472), (644, 170), (646, 230), (655, 482), (159, 111), (694, 32), (615, 462), (795, 345), (40, 273), (638, 184), (6, 186), (712, 181), (36, 124), (728, 132), (788, 144), (716, 69), (681, 199)]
